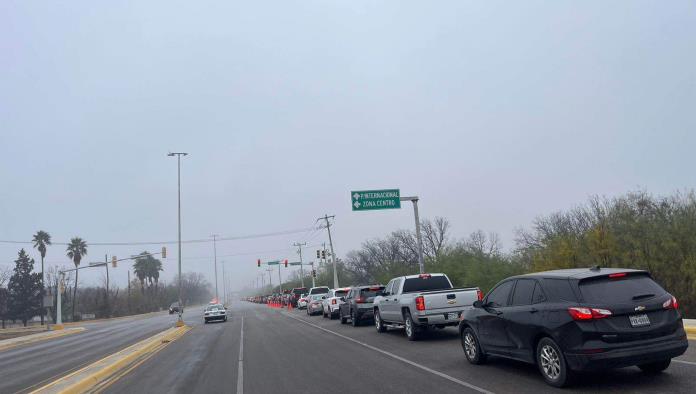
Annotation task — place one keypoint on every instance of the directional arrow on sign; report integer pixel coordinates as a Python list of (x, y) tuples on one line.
[(356, 196), (356, 205)]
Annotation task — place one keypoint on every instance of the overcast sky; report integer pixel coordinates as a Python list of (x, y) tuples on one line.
[(493, 112)]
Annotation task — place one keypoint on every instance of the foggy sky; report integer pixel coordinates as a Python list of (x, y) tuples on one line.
[(491, 112)]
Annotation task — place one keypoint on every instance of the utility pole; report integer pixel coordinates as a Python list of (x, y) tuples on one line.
[(280, 281), (180, 322), (215, 258), (59, 307), (299, 251), (333, 255), (270, 281)]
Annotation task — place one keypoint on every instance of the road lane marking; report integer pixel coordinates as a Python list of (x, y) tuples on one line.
[(684, 362), (240, 360), (392, 355)]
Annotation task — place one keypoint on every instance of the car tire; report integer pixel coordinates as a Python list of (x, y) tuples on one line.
[(205, 322), (331, 315), (410, 327), (472, 347), (343, 319), (655, 367), (323, 312), (552, 363), (379, 325), (354, 319)]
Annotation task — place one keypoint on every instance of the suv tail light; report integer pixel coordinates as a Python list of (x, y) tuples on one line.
[(360, 300), (479, 295), (582, 313), (420, 303), (333, 302), (671, 304)]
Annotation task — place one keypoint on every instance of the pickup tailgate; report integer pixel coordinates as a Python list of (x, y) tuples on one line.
[(452, 300)]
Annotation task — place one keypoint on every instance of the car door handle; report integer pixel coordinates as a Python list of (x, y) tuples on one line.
[(533, 310)]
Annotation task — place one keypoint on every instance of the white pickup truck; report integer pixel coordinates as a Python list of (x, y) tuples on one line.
[(417, 302)]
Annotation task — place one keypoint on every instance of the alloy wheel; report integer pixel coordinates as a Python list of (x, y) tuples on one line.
[(470, 346), (550, 362)]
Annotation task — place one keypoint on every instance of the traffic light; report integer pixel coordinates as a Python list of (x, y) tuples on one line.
[(286, 263), (114, 261), (314, 273), (258, 263), (164, 252), (323, 254), (318, 254)]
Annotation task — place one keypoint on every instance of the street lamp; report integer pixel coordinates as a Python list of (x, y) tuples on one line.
[(180, 322)]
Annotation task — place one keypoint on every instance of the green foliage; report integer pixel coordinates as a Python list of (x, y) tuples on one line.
[(632, 231), (24, 289), (147, 267)]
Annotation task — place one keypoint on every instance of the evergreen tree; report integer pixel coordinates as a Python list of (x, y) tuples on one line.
[(24, 289)]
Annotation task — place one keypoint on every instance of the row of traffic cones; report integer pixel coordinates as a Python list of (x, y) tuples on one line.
[(277, 305)]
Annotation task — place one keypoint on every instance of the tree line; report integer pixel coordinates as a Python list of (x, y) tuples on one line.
[(22, 289), (635, 230)]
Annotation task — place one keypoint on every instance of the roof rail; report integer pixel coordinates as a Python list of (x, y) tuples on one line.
[(595, 268)]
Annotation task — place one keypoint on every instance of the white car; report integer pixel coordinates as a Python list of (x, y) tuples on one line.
[(332, 301), (215, 312), (302, 302)]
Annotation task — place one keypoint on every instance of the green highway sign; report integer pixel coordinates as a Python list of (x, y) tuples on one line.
[(272, 262), (295, 263), (367, 200)]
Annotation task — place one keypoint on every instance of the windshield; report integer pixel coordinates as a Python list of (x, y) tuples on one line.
[(427, 283), (629, 289)]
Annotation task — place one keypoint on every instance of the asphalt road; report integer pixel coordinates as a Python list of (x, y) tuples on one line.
[(25, 368), (263, 350)]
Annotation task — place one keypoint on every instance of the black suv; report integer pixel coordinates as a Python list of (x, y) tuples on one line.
[(358, 304), (576, 320)]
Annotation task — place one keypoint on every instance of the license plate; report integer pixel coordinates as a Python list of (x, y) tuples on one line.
[(451, 316), (639, 320)]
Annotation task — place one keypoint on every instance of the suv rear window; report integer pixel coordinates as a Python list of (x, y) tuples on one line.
[(340, 293), (320, 290), (371, 292), (439, 282), (559, 290), (300, 291), (628, 289)]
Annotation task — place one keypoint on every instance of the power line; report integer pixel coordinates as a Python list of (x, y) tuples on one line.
[(190, 241)]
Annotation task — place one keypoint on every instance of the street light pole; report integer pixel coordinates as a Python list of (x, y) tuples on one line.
[(180, 322), (215, 258), (419, 237)]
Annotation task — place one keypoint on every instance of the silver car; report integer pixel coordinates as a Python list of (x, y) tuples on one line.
[(314, 303), (215, 312)]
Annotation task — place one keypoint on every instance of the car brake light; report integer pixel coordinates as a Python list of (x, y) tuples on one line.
[(617, 275), (360, 300), (333, 301), (425, 276), (420, 303), (671, 304), (583, 313), (479, 295)]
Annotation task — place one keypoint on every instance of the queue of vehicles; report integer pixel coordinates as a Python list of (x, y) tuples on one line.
[(564, 321)]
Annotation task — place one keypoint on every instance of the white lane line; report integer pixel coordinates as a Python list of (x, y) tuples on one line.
[(684, 362), (392, 355), (240, 370)]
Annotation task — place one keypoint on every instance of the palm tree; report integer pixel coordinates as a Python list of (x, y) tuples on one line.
[(41, 240), (77, 248)]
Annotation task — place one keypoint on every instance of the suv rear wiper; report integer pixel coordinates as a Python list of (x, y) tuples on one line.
[(639, 296)]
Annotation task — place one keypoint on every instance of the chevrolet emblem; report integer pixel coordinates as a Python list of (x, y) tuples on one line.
[(451, 301), (640, 308)]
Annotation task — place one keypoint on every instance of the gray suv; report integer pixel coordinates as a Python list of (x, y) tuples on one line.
[(357, 304)]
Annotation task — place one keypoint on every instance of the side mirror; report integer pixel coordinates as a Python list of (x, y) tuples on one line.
[(478, 304), (323, 297), (343, 299)]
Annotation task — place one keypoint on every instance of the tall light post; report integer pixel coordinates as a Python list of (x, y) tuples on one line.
[(180, 322), (215, 259)]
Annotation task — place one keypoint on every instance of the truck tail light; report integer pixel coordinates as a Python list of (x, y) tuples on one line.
[(420, 303), (479, 295), (583, 314)]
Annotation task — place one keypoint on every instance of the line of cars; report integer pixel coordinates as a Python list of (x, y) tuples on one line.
[(564, 321)]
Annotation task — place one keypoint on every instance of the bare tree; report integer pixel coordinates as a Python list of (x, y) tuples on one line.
[(435, 234)]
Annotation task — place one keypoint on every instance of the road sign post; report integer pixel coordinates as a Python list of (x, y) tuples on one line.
[(369, 200)]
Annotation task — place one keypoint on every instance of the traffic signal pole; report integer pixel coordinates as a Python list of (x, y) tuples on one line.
[(419, 237)]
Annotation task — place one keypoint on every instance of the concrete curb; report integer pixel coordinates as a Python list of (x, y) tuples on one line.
[(99, 372), (38, 337)]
